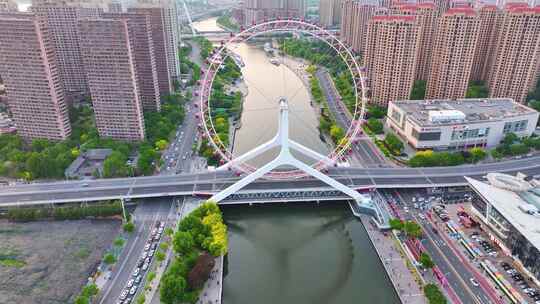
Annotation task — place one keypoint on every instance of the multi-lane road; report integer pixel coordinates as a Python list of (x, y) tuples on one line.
[(211, 182)]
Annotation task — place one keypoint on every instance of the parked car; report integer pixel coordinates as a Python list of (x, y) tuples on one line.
[(133, 290), (130, 283), (136, 272), (474, 282)]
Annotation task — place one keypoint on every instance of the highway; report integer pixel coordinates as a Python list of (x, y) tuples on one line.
[(364, 151), (211, 182)]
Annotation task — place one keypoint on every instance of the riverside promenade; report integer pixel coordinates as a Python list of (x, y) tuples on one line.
[(406, 286)]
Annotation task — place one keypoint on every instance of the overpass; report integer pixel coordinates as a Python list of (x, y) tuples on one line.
[(209, 183)]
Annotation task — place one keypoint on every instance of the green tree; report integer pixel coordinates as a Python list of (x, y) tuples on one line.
[(477, 154), (119, 242), (433, 294), (426, 261), (419, 90), (109, 259), (115, 165), (160, 256), (509, 139), (412, 229), (183, 242), (477, 89), (336, 133), (169, 231), (375, 125), (393, 143), (82, 300), (172, 289), (90, 290), (396, 224), (129, 227), (518, 149), (377, 112), (161, 144)]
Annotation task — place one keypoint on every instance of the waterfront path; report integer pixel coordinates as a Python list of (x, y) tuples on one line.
[(211, 293), (403, 280)]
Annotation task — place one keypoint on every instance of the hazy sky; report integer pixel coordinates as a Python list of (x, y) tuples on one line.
[(23, 4)]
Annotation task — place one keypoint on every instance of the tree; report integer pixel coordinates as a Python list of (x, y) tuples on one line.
[(336, 133), (375, 125), (90, 290), (377, 112), (119, 242), (412, 229), (477, 89), (419, 90), (172, 289), (393, 143), (129, 227), (160, 256), (509, 139), (82, 300), (426, 261), (396, 224), (109, 259), (518, 149), (161, 144), (115, 165), (433, 294), (477, 154), (183, 242), (169, 231)]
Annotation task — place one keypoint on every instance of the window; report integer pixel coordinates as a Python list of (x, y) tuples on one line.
[(426, 136), (515, 126)]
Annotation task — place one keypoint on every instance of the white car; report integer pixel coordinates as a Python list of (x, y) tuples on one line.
[(144, 255), (474, 282), (420, 215), (145, 266), (136, 272), (123, 295), (133, 290), (147, 247), (151, 253), (130, 283)]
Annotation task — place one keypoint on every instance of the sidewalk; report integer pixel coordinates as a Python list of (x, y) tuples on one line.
[(404, 282)]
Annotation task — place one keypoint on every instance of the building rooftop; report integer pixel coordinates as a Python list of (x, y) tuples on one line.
[(513, 207), (472, 110)]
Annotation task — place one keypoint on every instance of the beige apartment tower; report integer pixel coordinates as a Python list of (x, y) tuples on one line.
[(355, 20), (517, 54), (330, 12), (109, 60), (144, 56), (28, 66), (453, 54), (391, 56), (487, 41), (8, 6), (427, 15)]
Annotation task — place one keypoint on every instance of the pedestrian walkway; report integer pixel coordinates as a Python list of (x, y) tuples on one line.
[(403, 280), (211, 292)]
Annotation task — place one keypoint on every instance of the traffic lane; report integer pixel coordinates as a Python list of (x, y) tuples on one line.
[(149, 212)]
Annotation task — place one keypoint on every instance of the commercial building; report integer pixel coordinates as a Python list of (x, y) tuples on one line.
[(255, 11), (453, 53), (330, 12), (165, 40), (391, 56), (508, 208), (144, 57), (427, 15), (354, 22), (109, 61), (487, 41), (28, 66), (459, 124), (517, 54), (8, 6), (62, 16)]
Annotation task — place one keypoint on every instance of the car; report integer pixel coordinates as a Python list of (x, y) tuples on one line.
[(147, 246), (162, 225), (138, 279), (123, 295), (145, 266), (144, 255), (130, 283), (140, 262), (128, 300), (160, 230), (406, 209), (147, 260), (85, 185), (154, 246), (133, 290), (420, 215), (136, 272), (474, 282), (151, 253)]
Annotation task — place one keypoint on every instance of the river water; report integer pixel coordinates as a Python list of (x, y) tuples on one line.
[(293, 253)]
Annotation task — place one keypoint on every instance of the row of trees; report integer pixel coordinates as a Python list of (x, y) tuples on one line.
[(226, 21), (434, 294), (429, 158), (411, 228), (87, 294), (512, 145), (65, 213), (200, 233)]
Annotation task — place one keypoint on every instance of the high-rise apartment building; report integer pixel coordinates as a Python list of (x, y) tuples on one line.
[(453, 54), (391, 56), (427, 15), (62, 16), (441, 5), (354, 22), (515, 60), (28, 66), (165, 42), (8, 6), (258, 10), (330, 12), (109, 61), (144, 57), (487, 39)]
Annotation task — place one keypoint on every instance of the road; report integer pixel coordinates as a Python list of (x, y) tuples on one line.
[(210, 182), (146, 215), (364, 151), (456, 272)]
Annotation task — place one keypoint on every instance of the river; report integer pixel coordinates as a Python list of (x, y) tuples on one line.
[(293, 253)]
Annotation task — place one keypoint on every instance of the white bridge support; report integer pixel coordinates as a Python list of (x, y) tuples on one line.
[(285, 158)]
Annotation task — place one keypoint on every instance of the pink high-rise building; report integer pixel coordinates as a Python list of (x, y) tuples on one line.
[(255, 11), (427, 15), (109, 61), (453, 54), (487, 40), (28, 66), (391, 56), (330, 12), (354, 22), (516, 58), (62, 16), (144, 56), (8, 6)]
